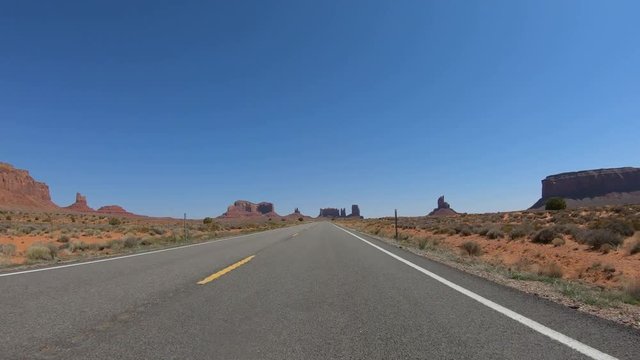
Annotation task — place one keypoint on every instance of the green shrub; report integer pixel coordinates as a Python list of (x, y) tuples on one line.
[(422, 243), (557, 242), (114, 221), (207, 221), (471, 248), (39, 252), (544, 236), (555, 203), (599, 237), (63, 239)]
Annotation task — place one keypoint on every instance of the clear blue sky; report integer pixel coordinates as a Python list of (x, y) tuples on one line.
[(167, 107)]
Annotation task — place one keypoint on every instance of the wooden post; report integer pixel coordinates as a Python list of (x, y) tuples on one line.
[(396, 212), (185, 226)]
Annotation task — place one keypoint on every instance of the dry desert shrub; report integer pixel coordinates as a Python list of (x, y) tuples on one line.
[(544, 236), (557, 242), (632, 245), (130, 242), (7, 249), (495, 234), (599, 237), (471, 248), (518, 232), (617, 226), (38, 252), (76, 246)]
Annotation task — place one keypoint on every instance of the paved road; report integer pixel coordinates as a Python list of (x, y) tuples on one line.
[(312, 291)]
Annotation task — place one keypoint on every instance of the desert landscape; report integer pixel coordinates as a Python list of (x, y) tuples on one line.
[(35, 231), (585, 255), (320, 180)]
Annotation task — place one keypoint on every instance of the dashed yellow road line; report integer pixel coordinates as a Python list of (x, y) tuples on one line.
[(210, 278)]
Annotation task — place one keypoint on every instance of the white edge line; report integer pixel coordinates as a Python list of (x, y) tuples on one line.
[(124, 256), (570, 342)]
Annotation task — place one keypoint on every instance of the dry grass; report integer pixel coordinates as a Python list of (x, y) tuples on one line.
[(552, 270)]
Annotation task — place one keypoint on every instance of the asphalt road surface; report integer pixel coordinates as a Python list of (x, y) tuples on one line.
[(312, 291)]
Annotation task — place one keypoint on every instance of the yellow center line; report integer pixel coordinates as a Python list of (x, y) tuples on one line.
[(225, 270)]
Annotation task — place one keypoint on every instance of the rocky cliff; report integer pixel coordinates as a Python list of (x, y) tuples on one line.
[(242, 208), (593, 187), (18, 190)]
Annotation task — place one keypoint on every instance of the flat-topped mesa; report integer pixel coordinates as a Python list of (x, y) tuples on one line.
[(243, 208), (80, 205), (329, 212), (614, 186), (443, 209), (113, 210), (18, 190)]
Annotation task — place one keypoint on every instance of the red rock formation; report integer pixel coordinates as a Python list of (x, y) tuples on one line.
[(80, 205), (355, 211), (598, 187), (329, 212), (242, 209), (18, 190), (443, 209), (113, 210), (340, 213)]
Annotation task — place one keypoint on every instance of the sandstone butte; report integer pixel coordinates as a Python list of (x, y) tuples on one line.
[(80, 205), (443, 209), (246, 209), (616, 186), (19, 191)]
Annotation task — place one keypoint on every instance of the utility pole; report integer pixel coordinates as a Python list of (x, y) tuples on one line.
[(185, 226), (396, 212)]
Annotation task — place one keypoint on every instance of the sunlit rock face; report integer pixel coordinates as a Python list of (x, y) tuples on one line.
[(597, 187)]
